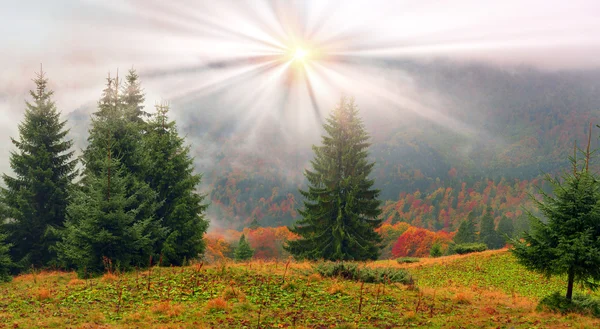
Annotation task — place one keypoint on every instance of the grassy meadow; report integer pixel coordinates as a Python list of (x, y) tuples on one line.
[(485, 290)]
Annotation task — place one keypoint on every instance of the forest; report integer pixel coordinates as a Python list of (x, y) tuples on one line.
[(132, 201)]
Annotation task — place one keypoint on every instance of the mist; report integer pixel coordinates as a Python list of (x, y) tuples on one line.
[(225, 68)]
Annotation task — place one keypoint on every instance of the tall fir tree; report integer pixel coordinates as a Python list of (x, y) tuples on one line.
[(566, 240), (506, 228), (36, 197), (341, 208), (112, 130), (6, 264), (466, 232), (133, 98), (103, 224), (113, 121), (522, 225), (171, 175), (243, 251), (487, 233)]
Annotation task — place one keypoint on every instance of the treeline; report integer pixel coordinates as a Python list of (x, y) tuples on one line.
[(397, 240), (130, 200), (446, 207)]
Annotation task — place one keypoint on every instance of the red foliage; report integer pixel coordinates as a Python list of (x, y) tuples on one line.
[(452, 172), (263, 241)]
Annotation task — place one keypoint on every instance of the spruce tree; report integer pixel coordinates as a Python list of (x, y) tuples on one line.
[(254, 224), (113, 121), (243, 251), (488, 234), (171, 175), (466, 230), (133, 98), (506, 228), (36, 197), (522, 225), (113, 134), (6, 264), (341, 208), (466, 233), (566, 239), (103, 224)]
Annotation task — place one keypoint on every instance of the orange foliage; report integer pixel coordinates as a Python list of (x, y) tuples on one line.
[(217, 304), (217, 247), (417, 242), (267, 242), (43, 294)]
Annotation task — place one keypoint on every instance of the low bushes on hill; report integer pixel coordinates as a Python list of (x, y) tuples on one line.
[(351, 271), (467, 248), (406, 260), (580, 304)]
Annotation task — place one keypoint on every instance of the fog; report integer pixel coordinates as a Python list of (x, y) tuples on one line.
[(225, 66)]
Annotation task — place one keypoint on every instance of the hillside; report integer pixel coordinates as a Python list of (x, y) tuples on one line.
[(474, 291), (519, 122)]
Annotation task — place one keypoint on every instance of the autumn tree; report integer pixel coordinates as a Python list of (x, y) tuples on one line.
[(36, 197), (243, 251), (565, 239), (341, 208)]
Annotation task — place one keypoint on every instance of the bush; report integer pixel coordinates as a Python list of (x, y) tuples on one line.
[(436, 250), (350, 271), (406, 260), (580, 304), (466, 248)]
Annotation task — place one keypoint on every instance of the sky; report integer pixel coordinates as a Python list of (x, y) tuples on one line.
[(241, 56)]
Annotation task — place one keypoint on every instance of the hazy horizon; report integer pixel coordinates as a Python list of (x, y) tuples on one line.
[(234, 57)]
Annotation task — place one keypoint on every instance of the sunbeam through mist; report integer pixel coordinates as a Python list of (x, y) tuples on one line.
[(257, 78)]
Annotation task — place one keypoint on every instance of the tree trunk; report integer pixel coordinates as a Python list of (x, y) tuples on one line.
[(570, 279)]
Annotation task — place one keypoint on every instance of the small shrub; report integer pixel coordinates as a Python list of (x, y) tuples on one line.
[(392, 275), (436, 250), (42, 294), (466, 248), (231, 293), (581, 304), (217, 304), (336, 289), (407, 260), (290, 286), (462, 298), (350, 271), (315, 277), (168, 309), (244, 307), (75, 282), (109, 277)]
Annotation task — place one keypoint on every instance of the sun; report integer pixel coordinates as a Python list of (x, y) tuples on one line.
[(300, 54)]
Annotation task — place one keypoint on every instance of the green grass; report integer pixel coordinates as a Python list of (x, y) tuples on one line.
[(450, 292), (407, 260), (498, 270)]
